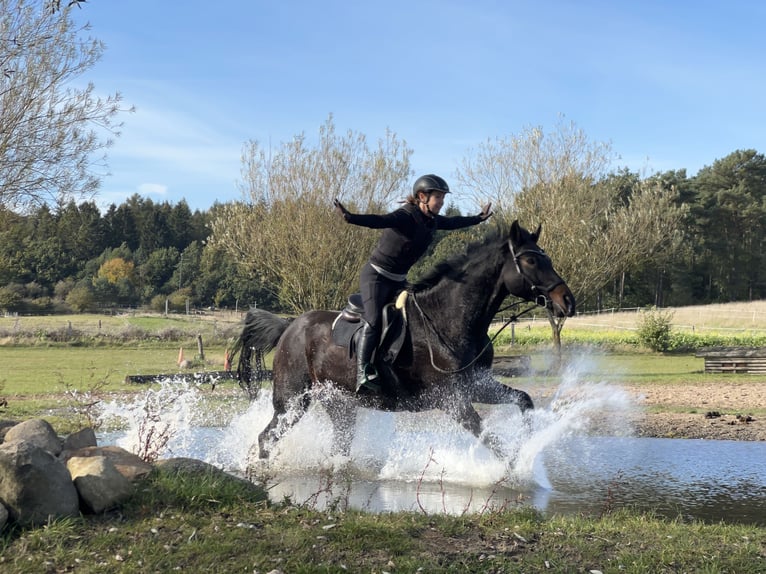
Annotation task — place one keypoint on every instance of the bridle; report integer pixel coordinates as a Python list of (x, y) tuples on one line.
[(543, 298)]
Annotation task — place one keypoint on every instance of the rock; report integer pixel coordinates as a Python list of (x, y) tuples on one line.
[(100, 485), (3, 516), (129, 465), (4, 426), (38, 432), (81, 439), (34, 485)]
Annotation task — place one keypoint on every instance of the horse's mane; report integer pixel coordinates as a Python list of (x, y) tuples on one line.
[(492, 244)]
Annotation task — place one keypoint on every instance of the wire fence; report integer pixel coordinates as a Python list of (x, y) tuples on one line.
[(747, 317)]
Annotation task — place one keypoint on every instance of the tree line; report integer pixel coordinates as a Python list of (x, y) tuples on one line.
[(273, 253), (137, 254)]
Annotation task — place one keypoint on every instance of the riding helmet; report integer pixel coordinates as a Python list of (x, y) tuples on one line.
[(429, 183)]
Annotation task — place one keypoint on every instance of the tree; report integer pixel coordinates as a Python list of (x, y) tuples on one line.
[(729, 224), (50, 130), (285, 230), (116, 269), (595, 225)]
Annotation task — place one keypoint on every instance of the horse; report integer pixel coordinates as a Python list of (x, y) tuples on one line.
[(445, 361)]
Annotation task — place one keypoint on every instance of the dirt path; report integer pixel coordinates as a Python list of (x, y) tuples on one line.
[(717, 410)]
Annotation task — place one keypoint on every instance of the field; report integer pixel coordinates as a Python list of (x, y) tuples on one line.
[(43, 357), (718, 318)]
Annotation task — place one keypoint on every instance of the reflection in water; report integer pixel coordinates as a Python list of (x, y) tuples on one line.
[(574, 454)]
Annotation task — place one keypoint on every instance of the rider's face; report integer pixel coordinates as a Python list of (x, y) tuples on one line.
[(432, 203)]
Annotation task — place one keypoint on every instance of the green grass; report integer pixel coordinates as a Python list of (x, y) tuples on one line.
[(39, 370), (205, 524)]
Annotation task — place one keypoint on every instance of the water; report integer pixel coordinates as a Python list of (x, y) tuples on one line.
[(575, 454)]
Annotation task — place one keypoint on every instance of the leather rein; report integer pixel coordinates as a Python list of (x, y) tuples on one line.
[(541, 300)]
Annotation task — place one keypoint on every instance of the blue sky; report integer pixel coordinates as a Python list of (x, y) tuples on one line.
[(670, 84)]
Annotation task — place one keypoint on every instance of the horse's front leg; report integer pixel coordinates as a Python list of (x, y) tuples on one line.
[(488, 390), (465, 413)]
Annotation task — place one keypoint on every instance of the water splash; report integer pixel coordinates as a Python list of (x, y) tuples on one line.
[(428, 450)]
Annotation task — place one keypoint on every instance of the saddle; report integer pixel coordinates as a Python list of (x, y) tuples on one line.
[(349, 321)]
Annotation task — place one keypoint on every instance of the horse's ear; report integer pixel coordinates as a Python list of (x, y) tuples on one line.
[(515, 232), (536, 234)]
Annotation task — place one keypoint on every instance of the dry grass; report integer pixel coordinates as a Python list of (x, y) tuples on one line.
[(744, 316)]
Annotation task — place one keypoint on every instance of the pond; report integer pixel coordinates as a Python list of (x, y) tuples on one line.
[(574, 454)]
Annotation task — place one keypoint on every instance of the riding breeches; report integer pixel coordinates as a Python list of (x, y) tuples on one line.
[(376, 291)]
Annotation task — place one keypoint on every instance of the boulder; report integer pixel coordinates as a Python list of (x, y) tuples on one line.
[(100, 485), (34, 486), (80, 439), (6, 424), (131, 466), (38, 432)]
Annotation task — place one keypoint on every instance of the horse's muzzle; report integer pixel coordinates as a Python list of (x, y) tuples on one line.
[(562, 301)]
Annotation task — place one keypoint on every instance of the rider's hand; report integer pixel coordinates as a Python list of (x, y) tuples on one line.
[(340, 209), (486, 212)]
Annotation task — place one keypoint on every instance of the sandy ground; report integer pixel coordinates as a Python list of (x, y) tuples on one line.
[(716, 410)]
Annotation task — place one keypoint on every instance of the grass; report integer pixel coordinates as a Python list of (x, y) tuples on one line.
[(204, 524)]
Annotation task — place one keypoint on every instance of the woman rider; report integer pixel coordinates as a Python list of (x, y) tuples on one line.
[(408, 231)]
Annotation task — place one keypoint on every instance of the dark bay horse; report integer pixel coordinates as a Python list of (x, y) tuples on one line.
[(446, 360)]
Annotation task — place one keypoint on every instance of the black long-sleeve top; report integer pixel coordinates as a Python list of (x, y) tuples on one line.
[(407, 234)]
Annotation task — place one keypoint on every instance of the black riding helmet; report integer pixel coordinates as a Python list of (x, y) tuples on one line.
[(429, 183)]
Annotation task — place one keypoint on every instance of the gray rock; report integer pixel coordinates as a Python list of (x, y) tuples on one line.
[(131, 466), (81, 439), (6, 424), (34, 485), (100, 485), (38, 432)]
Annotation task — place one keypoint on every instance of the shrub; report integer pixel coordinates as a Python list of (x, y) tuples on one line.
[(654, 329)]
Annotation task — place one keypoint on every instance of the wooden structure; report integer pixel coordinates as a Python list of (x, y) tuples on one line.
[(511, 365), (735, 360), (204, 377), (503, 366)]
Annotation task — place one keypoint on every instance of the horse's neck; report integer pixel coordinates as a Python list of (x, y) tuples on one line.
[(468, 304)]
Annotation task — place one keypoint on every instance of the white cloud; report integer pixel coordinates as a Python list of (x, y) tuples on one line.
[(152, 189)]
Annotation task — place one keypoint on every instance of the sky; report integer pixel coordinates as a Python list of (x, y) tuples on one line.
[(668, 84)]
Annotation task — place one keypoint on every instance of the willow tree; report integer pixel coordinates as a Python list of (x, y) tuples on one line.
[(51, 127), (285, 230), (595, 226)]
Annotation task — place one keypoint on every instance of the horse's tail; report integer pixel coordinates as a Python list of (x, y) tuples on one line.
[(260, 335)]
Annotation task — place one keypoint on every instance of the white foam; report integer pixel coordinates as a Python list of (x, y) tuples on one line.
[(424, 447)]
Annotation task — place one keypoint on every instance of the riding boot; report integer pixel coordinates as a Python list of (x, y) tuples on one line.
[(366, 373)]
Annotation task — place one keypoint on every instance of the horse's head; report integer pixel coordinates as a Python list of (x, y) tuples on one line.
[(529, 273)]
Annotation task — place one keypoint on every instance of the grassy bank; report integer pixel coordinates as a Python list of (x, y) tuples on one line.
[(204, 525)]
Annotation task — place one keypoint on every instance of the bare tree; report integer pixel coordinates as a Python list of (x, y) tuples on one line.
[(286, 231), (595, 226), (51, 130)]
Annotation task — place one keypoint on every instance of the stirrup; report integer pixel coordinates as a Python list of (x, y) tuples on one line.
[(369, 381)]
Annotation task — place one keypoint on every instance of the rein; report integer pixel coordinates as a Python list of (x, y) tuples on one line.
[(427, 323)]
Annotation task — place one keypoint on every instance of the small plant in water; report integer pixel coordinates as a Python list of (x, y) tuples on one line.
[(86, 404)]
